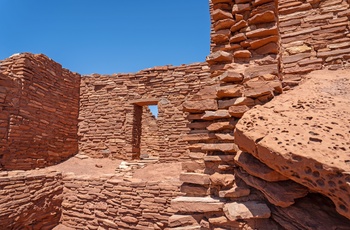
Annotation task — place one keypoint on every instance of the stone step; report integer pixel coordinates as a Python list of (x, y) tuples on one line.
[(196, 204), (247, 210), (195, 178)]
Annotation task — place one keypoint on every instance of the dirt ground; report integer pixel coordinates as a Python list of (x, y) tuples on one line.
[(84, 165), (87, 166)]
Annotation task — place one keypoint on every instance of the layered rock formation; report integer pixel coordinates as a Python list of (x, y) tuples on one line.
[(304, 135)]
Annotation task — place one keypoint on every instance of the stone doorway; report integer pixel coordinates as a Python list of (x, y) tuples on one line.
[(137, 124)]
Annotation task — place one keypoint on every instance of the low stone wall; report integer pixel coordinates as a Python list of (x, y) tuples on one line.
[(314, 35), (92, 202), (39, 110), (110, 110), (30, 200)]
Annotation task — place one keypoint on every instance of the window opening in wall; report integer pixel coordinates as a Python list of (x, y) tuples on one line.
[(154, 110)]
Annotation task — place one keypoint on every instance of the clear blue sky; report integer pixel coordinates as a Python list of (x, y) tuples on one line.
[(107, 36)]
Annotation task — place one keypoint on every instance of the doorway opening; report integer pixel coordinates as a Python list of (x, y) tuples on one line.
[(145, 128)]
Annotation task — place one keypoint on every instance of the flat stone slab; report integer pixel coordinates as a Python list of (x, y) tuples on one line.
[(246, 210), (195, 178), (304, 135), (196, 204)]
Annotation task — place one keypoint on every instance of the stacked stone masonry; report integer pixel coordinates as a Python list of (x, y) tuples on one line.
[(113, 203), (229, 189), (37, 93), (237, 173), (30, 200), (314, 34), (110, 113)]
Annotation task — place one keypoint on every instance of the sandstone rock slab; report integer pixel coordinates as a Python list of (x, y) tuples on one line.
[(303, 135)]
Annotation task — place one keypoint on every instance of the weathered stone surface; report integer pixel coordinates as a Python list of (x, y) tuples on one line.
[(305, 150), (246, 210), (195, 190), (223, 104), (256, 168), (200, 106), (231, 76), (268, 16), (213, 115), (196, 204), (181, 220), (222, 125), (229, 91), (282, 194), (306, 209), (219, 56), (224, 147), (238, 110), (269, 48), (235, 192), (222, 179), (242, 54), (223, 24), (256, 71), (195, 178), (219, 14)]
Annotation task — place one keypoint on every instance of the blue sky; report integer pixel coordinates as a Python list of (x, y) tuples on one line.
[(107, 36)]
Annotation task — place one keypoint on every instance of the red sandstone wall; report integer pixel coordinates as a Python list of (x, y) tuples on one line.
[(116, 204), (314, 35), (106, 109), (39, 109), (30, 200)]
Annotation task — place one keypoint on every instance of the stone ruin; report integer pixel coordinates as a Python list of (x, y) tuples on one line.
[(261, 130)]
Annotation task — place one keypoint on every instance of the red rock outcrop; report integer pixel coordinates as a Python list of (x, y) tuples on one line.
[(304, 135)]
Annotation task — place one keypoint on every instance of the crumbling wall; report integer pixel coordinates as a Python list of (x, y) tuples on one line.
[(314, 35), (30, 200), (116, 203), (39, 112), (107, 109)]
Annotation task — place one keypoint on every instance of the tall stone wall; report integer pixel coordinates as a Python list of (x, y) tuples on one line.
[(232, 189), (92, 202), (314, 35), (109, 110), (39, 111), (245, 62), (30, 200)]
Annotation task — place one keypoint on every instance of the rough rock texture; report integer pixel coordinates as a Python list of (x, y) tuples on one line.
[(30, 200), (304, 135), (114, 120), (39, 104)]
